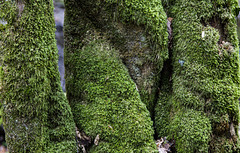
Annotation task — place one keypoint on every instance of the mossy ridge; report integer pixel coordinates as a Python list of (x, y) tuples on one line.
[(103, 97), (141, 40), (30, 75), (206, 74), (148, 14)]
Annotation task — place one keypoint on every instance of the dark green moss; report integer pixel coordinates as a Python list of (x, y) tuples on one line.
[(205, 75), (37, 116)]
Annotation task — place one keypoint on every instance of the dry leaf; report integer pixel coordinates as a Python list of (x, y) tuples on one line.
[(96, 140), (110, 127), (83, 149)]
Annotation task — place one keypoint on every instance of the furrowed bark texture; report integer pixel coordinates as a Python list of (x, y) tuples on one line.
[(37, 116), (204, 114), (99, 36)]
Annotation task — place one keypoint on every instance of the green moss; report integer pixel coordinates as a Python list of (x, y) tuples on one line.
[(103, 97), (105, 101), (37, 117), (163, 114), (138, 29), (206, 74), (3, 27), (8, 11), (191, 130), (222, 144)]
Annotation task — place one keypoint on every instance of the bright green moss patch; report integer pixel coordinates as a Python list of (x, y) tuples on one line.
[(37, 117)]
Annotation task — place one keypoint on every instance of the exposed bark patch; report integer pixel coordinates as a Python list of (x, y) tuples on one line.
[(218, 24), (20, 5), (83, 141), (169, 29)]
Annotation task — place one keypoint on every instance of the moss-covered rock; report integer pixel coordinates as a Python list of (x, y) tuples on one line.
[(37, 116), (205, 74)]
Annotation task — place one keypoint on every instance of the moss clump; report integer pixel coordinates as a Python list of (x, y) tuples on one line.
[(105, 102), (3, 27), (191, 130), (37, 117), (8, 11)]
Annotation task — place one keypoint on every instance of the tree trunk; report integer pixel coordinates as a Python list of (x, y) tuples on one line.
[(204, 94), (103, 97), (140, 35), (117, 65), (37, 116)]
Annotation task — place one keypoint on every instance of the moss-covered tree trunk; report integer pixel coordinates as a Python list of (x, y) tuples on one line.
[(37, 116), (139, 31), (203, 96), (100, 37)]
